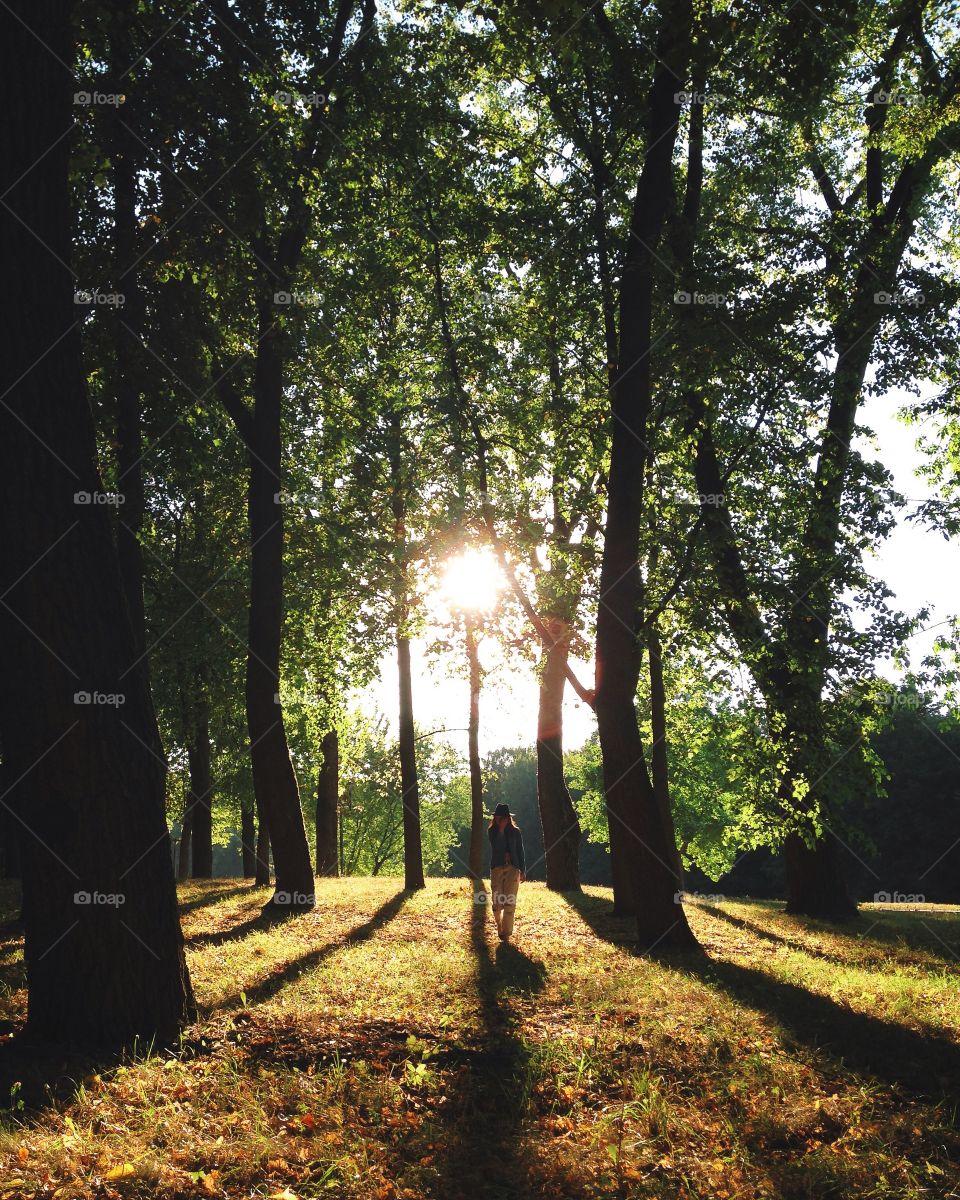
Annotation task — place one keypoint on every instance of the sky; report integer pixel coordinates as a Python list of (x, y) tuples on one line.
[(918, 564)]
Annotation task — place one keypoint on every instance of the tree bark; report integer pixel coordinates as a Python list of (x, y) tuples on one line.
[(186, 841), (201, 795), (409, 784), (128, 332), (475, 857), (328, 805), (248, 841), (9, 835), (558, 817), (641, 857), (659, 765), (815, 883), (103, 946), (262, 877), (274, 779)]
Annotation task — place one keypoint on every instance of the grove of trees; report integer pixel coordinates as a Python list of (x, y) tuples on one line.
[(306, 301)]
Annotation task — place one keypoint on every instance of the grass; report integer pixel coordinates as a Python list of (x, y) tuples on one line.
[(388, 1046)]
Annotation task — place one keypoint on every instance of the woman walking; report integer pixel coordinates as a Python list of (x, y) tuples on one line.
[(507, 866)]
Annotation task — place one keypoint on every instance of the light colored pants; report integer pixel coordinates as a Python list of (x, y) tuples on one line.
[(504, 885)]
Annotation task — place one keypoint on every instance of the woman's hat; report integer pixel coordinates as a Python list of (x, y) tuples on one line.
[(502, 810)]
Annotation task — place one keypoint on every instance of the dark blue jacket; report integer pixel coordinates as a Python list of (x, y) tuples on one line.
[(511, 841)]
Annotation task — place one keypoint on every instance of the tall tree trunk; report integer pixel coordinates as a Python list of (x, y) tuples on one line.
[(659, 765), (475, 857), (275, 782), (248, 841), (9, 834), (103, 946), (558, 817), (274, 779), (186, 841), (201, 794), (328, 805), (409, 784), (262, 877), (128, 332), (815, 883), (641, 856)]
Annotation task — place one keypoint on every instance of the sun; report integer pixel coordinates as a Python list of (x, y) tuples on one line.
[(471, 582)]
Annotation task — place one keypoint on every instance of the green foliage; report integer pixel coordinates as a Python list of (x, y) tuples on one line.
[(371, 812), (449, 332)]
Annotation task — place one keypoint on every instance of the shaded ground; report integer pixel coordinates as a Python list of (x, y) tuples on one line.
[(388, 1045)]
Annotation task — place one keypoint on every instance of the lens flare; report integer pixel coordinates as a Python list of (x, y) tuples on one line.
[(471, 582)]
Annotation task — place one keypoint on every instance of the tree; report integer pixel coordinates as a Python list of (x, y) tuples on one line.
[(104, 951), (281, 226), (630, 798), (877, 178)]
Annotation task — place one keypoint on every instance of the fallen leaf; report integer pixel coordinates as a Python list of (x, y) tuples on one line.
[(121, 1171)]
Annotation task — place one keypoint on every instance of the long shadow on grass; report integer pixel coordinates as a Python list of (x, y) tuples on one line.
[(922, 1063), (206, 899), (268, 987), (39, 1076), (260, 921), (899, 939), (233, 933), (480, 1152)]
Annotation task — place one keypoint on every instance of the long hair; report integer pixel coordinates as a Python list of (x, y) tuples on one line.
[(493, 822)]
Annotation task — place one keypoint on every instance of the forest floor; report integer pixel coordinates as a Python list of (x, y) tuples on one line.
[(387, 1045)]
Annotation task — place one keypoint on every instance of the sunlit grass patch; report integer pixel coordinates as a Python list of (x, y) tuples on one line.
[(880, 965)]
